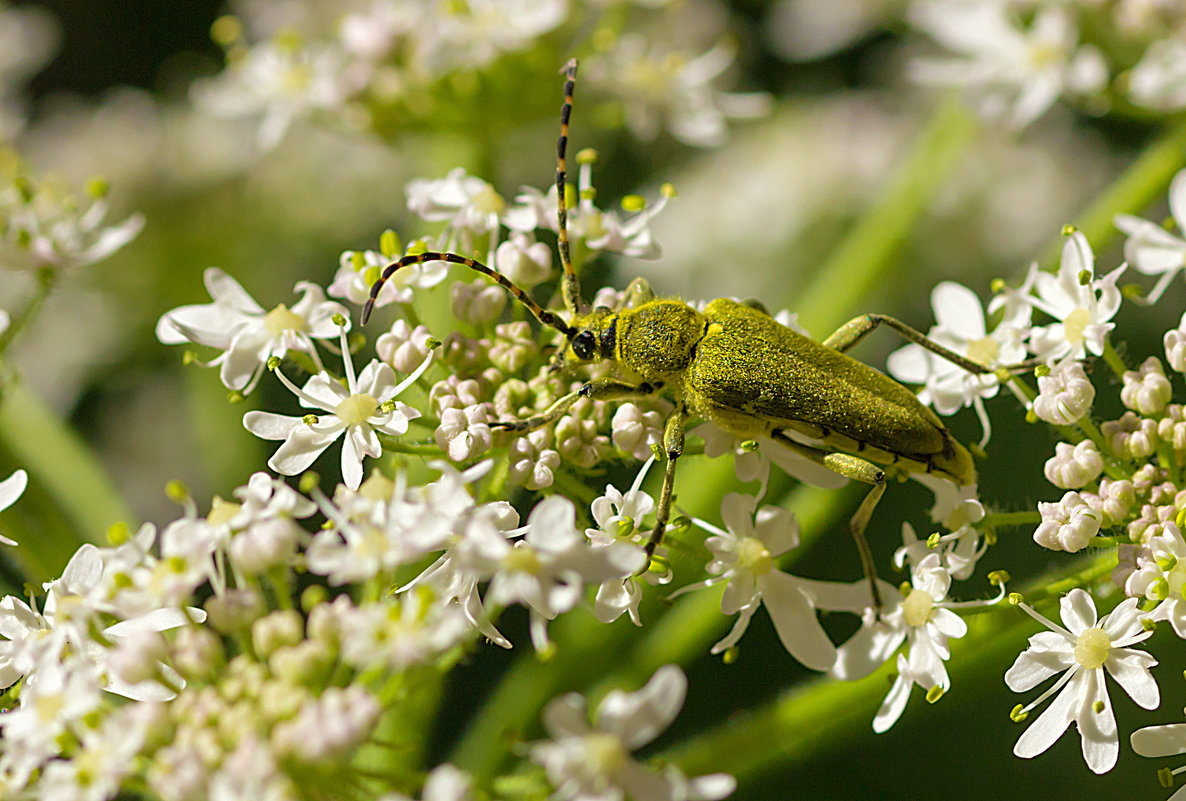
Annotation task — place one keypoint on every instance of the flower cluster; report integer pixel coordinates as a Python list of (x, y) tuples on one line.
[(369, 64), (1018, 59)]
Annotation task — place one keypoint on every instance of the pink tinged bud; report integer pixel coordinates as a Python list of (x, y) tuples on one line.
[(523, 260), (1067, 525), (464, 433), (478, 302), (1065, 395), (403, 347), (1131, 437), (1146, 390), (1074, 466)]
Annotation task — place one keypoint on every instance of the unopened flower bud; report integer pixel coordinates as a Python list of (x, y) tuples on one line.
[(1067, 525), (478, 302), (403, 347), (1074, 466), (1146, 390), (1065, 395), (523, 260), (280, 628), (464, 433), (1175, 346), (1131, 437)]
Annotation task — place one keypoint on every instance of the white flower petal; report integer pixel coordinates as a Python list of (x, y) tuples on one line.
[(638, 717), (1130, 669), (795, 621), (1160, 741), (1051, 724)]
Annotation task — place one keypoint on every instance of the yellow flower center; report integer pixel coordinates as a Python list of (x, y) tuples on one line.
[(1092, 648), (522, 559), (1075, 324), (280, 319), (605, 753), (356, 409), (916, 609), (489, 201), (984, 351), (754, 556), (222, 511)]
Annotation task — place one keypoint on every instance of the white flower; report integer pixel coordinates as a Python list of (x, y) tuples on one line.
[(1158, 81), (1151, 249), (593, 763), (1016, 72), (365, 405), (961, 328), (1084, 649), (1156, 571), (744, 560), (11, 489), (248, 335), (1162, 741), (923, 619), (1083, 303), (661, 85), (1067, 525), (547, 569), (359, 269), (463, 201), (619, 519), (1065, 395), (598, 230), (278, 82)]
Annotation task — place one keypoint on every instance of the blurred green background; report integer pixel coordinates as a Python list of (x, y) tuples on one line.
[(759, 217)]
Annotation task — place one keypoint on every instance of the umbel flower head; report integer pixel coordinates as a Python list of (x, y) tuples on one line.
[(593, 763), (1083, 650)]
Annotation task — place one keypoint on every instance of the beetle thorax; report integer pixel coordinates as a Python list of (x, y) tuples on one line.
[(657, 340)]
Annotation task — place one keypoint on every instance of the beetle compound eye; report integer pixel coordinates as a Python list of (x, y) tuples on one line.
[(582, 345)]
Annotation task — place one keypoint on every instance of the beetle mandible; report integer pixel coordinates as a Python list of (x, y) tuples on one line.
[(734, 365)]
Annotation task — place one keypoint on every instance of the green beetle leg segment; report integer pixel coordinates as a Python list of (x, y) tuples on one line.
[(603, 389), (673, 446), (855, 330), (858, 470)]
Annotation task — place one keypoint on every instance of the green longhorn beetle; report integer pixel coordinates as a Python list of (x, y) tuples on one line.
[(734, 365)]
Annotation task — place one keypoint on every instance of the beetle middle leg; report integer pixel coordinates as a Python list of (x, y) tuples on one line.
[(673, 447), (858, 470)]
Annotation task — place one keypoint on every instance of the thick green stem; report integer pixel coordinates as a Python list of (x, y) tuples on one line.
[(60, 464), (865, 256), (1141, 184)]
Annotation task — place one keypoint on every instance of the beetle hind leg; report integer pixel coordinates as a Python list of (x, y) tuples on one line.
[(858, 470)]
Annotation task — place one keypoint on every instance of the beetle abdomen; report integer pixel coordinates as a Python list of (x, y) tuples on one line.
[(752, 376)]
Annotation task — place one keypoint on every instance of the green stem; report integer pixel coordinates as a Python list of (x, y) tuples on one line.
[(60, 464), (1141, 184), (47, 279), (1002, 519), (865, 256), (809, 719)]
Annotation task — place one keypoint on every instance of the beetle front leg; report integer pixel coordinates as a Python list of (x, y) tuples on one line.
[(604, 389), (673, 446)]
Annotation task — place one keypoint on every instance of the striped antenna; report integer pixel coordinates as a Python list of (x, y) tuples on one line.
[(570, 287), (543, 315)]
